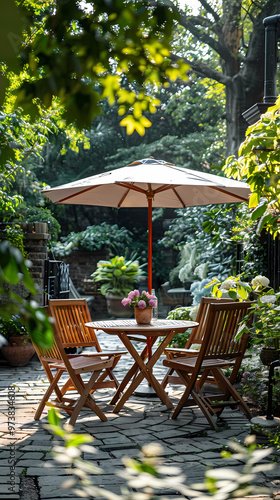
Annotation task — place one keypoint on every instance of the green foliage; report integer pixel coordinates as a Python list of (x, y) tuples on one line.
[(265, 329), (21, 141), (212, 253), (14, 234), (84, 54), (104, 236), (34, 214), (254, 386), (118, 275), (14, 268), (180, 313), (12, 327), (258, 164)]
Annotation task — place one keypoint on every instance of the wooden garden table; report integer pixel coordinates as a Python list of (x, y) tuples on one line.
[(124, 329)]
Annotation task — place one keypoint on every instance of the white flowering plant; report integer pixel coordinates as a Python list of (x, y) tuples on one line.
[(266, 325)]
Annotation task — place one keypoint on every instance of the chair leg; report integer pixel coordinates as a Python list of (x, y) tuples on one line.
[(67, 386), (228, 388), (166, 376), (84, 391), (49, 391), (198, 400), (186, 394)]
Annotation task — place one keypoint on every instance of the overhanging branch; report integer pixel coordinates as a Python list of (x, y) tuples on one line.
[(202, 69), (189, 23)]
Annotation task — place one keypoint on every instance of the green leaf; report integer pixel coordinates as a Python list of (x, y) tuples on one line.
[(259, 211), (53, 417), (242, 292), (254, 200)]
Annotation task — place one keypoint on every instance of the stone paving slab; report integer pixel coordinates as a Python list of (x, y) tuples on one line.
[(188, 442)]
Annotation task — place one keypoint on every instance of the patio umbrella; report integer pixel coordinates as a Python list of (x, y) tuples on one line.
[(151, 183)]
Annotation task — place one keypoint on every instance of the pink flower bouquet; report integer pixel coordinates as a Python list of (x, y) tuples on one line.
[(143, 300)]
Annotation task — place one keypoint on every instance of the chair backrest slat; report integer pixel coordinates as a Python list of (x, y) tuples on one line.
[(53, 352), (221, 329), (71, 316), (198, 332)]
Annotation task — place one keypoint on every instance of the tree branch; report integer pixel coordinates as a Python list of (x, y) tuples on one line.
[(190, 24), (204, 70), (209, 9)]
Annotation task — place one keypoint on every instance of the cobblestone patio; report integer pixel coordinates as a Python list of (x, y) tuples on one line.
[(188, 442)]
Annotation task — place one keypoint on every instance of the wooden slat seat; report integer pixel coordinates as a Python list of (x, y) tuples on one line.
[(218, 350)]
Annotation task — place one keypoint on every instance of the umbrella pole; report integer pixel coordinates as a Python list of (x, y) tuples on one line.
[(150, 251), (150, 242)]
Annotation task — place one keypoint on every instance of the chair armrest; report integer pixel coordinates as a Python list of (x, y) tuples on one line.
[(172, 352), (105, 353)]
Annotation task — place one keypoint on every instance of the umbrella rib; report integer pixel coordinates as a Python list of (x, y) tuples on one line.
[(179, 197), (75, 194), (221, 190), (241, 198), (129, 186), (123, 198)]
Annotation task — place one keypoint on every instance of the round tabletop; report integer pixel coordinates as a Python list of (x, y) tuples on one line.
[(156, 327)]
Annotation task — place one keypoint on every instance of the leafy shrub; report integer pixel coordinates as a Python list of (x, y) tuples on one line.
[(93, 238), (35, 214), (203, 235), (182, 313), (12, 327)]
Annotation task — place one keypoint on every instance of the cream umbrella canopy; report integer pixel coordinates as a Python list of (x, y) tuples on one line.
[(151, 183)]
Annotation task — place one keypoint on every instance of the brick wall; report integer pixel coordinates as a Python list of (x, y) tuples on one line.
[(82, 265), (35, 243)]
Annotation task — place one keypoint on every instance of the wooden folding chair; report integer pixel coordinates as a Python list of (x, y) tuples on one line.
[(70, 316), (218, 350), (56, 362), (195, 338)]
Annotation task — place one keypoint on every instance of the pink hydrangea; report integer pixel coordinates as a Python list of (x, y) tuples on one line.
[(152, 302), (142, 304), (126, 301), (133, 294)]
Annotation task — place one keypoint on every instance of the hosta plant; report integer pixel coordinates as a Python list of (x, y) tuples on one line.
[(118, 276)]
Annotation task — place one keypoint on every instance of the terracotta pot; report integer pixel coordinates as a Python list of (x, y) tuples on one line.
[(269, 354), (18, 353), (143, 316)]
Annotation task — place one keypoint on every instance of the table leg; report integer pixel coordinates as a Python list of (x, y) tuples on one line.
[(132, 372), (146, 371)]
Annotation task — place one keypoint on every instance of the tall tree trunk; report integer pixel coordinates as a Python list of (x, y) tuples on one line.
[(242, 65), (247, 86)]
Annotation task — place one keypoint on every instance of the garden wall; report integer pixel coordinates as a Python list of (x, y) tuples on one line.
[(35, 244), (81, 265)]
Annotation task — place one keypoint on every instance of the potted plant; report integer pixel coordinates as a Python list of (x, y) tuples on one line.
[(142, 303), (18, 350), (118, 277)]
